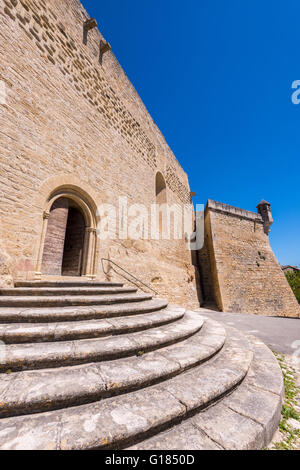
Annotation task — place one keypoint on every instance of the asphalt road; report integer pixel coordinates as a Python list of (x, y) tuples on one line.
[(282, 335)]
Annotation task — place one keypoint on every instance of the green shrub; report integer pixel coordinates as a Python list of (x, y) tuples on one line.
[(294, 282)]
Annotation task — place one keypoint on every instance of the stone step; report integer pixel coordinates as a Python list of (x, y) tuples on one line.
[(71, 300), (66, 283), (59, 354), (65, 314), (67, 331), (65, 291), (40, 391), (118, 422), (245, 420)]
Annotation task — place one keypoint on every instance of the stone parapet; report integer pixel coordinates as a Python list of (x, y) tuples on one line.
[(233, 211)]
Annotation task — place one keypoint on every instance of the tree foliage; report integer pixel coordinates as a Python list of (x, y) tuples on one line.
[(294, 282)]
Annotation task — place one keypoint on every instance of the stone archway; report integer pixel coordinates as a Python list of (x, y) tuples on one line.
[(68, 240), (74, 243)]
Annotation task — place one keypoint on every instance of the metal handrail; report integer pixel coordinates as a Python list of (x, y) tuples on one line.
[(129, 274)]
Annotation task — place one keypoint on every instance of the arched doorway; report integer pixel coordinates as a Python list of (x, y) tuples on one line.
[(74, 242), (64, 242), (68, 241)]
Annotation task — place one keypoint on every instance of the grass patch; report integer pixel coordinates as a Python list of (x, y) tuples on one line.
[(291, 435), (294, 282)]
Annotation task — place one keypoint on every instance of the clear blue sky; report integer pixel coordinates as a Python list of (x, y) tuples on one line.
[(216, 77)]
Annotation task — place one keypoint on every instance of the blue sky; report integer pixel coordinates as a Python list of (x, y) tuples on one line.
[(216, 77)]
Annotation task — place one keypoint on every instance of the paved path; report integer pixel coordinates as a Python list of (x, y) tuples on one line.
[(278, 333)]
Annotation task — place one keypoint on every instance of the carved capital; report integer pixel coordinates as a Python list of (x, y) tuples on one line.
[(91, 230)]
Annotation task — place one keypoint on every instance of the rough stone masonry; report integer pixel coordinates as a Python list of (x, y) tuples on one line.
[(72, 127), (242, 273)]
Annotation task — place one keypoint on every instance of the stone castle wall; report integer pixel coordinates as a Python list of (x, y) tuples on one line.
[(75, 121), (72, 120), (245, 274)]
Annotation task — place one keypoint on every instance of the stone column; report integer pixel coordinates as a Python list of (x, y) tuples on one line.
[(46, 217), (89, 250)]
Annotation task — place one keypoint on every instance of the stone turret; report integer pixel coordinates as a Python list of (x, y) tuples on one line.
[(264, 209)]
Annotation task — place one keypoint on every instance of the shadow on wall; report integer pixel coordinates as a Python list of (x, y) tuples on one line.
[(200, 284), (6, 269)]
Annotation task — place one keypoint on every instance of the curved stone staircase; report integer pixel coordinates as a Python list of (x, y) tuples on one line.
[(101, 366)]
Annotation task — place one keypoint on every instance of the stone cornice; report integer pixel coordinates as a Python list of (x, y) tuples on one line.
[(233, 211)]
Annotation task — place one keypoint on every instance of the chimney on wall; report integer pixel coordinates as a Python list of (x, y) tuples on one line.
[(264, 209)]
